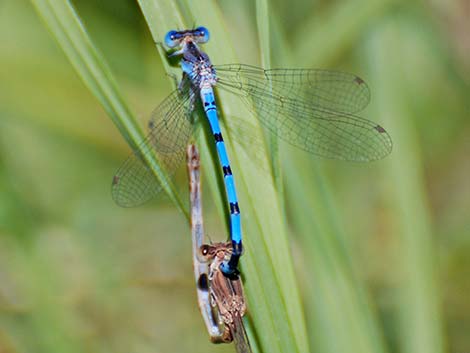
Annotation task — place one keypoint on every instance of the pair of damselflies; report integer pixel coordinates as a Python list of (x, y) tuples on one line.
[(312, 109)]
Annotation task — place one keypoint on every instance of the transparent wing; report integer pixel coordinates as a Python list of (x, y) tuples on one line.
[(170, 129), (240, 337), (321, 123), (335, 90)]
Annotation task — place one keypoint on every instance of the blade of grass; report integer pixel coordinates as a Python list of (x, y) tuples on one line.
[(273, 297), (419, 323), (264, 39), (337, 28), (65, 25), (340, 315)]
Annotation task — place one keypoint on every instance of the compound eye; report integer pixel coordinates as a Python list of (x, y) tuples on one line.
[(202, 34), (204, 250), (172, 39)]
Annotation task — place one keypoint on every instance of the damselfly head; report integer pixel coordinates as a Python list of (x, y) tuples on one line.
[(217, 250), (176, 38)]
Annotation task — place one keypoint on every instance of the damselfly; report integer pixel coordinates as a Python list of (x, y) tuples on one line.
[(221, 298)]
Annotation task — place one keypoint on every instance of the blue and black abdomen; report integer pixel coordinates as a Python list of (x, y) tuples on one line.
[(210, 108)]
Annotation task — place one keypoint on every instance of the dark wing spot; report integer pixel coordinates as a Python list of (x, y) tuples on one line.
[(380, 129), (358, 80)]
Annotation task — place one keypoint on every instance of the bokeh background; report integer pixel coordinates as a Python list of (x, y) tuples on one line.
[(80, 274)]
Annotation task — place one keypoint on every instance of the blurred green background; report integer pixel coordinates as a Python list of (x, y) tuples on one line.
[(381, 250)]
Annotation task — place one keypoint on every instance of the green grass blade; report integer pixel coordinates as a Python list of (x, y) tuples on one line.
[(65, 25), (263, 24), (419, 319), (338, 307), (338, 28), (264, 38), (273, 297)]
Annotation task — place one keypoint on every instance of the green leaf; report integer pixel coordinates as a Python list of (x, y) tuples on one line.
[(264, 38)]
